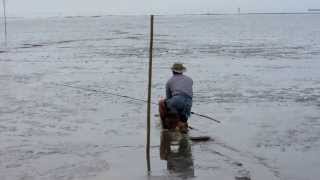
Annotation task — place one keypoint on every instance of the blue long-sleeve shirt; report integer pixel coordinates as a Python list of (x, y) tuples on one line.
[(179, 84)]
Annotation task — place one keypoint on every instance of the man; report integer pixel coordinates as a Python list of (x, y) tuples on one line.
[(176, 108)]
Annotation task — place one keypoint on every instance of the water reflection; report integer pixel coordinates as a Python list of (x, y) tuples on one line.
[(175, 148)]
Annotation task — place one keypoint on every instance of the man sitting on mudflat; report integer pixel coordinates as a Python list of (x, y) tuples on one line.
[(176, 108)]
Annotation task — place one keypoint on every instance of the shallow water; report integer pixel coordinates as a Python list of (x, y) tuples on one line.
[(258, 74)]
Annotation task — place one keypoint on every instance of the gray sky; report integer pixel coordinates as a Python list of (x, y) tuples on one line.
[(95, 7)]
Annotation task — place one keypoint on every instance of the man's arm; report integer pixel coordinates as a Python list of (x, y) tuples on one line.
[(168, 91)]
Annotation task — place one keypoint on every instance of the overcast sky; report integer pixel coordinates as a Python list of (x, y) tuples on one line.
[(97, 7)]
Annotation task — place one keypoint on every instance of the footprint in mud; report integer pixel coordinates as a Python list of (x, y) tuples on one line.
[(7, 129), (240, 163), (80, 170), (243, 175), (233, 165), (111, 132)]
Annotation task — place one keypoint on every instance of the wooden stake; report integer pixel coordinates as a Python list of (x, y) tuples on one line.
[(5, 22), (149, 95)]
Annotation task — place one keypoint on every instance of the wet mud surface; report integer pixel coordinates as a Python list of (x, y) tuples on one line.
[(258, 74)]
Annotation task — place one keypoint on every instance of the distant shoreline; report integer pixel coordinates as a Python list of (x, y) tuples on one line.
[(193, 14), (210, 14)]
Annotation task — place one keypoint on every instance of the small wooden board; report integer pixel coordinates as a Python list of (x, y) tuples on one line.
[(199, 138)]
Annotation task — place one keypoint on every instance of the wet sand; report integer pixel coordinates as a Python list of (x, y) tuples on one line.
[(260, 78)]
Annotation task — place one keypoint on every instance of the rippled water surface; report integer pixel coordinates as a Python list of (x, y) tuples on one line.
[(258, 74)]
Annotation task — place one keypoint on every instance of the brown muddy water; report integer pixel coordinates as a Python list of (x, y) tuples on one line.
[(258, 74)]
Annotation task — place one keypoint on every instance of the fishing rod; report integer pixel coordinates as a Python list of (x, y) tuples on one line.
[(205, 116), (128, 97)]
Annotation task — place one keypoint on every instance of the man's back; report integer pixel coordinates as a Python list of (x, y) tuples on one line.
[(179, 84)]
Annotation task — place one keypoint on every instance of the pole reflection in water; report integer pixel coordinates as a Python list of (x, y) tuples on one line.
[(175, 148)]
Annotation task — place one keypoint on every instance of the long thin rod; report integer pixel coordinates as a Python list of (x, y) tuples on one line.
[(5, 21), (205, 116), (103, 92), (128, 97), (149, 95)]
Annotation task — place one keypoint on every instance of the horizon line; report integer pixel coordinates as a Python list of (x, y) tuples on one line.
[(178, 14)]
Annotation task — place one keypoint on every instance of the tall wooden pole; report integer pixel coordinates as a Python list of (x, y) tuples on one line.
[(5, 21), (149, 95)]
